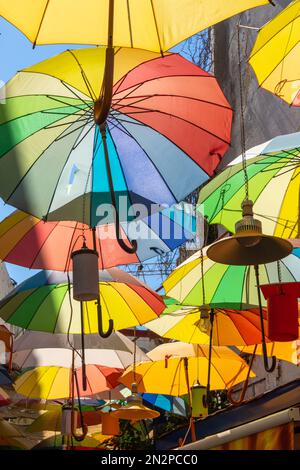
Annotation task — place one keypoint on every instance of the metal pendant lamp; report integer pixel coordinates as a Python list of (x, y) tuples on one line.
[(134, 410), (249, 246)]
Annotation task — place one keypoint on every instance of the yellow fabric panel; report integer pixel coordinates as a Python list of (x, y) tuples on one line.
[(290, 208), (45, 383), (69, 65), (287, 351), (172, 379), (13, 229), (143, 24)]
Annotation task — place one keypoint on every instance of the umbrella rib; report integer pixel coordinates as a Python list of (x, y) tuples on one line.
[(132, 88), (54, 98), (75, 94), (78, 142), (59, 311), (180, 119), (84, 76), (104, 301), (277, 65), (156, 27), (163, 95), (71, 246), (44, 242), (41, 23), (122, 169), (60, 174), (276, 33), (154, 165), (129, 23)]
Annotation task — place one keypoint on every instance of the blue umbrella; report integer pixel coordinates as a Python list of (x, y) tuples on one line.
[(168, 403)]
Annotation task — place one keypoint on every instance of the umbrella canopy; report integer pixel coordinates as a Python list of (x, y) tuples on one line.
[(226, 287), (275, 55), (43, 303), (287, 351), (64, 358), (4, 376), (30, 242), (11, 437), (51, 383), (4, 398), (51, 421), (231, 327), (163, 106), (227, 369), (156, 25), (174, 405), (274, 175)]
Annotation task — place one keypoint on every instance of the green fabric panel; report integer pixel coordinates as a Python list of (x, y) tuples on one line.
[(234, 186), (14, 132), (10, 306), (230, 290), (24, 105), (46, 314), (35, 190), (24, 314), (212, 278)]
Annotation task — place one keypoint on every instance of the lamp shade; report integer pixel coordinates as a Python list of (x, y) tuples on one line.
[(238, 250), (282, 301)]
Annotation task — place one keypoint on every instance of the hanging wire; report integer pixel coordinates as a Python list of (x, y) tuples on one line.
[(242, 120)]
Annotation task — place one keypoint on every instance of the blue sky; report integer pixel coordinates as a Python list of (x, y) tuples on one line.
[(17, 53)]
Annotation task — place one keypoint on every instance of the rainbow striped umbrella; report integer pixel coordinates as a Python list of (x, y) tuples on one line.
[(45, 302)]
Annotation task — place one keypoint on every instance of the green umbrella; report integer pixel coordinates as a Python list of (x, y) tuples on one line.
[(230, 287), (274, 176)]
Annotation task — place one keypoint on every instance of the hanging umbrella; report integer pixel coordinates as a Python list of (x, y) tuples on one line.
[(34, 349), (44, 302), (275, 55), (163, 106), (51, 383), (32, 243), (52, 420), (153, 25), (273, 174), (11, 437), (63, 357), (231, 327), (226, 287), (171, 404), (172, 360), (287, 351)]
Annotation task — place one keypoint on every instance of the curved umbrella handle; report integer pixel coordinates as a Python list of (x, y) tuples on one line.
[(245, 386), (263, 338), (102, 333), (133, 244)]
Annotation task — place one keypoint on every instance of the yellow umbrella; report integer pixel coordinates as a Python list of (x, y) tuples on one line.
[(287, 351), (52, 420), (155, 25), (275, 56), (11, 437), (167, 376), (54, 382)]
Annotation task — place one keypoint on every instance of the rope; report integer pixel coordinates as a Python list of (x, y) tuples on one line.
[(242, 122)]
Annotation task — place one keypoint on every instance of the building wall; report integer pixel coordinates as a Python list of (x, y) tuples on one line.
[(266, 116)]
